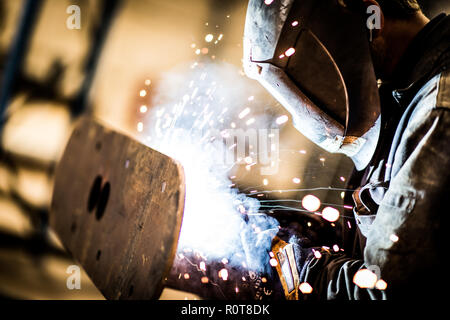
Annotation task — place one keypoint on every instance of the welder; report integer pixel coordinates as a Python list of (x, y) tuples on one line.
[(368, 79)]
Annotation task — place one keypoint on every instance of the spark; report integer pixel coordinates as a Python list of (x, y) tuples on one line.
[(330, 214), (394, 238), (244, 113), (317, 254), (268, 2), (294, 23), (204, 280), (305, 288), (282, 119), (250, 121), (381, 285), (296, 180), (223, 274), (365, 279), (289, 52), (209, 37), (311, 203)]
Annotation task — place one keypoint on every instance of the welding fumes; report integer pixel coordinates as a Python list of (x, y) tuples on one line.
[(191, 121)]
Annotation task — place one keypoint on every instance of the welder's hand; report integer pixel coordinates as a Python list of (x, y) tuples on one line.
[(291, 257), (299, 243)]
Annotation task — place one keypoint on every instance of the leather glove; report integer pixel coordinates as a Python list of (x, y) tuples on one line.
[(290, 257)]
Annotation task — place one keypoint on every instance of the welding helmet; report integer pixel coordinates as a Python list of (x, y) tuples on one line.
[(314, 57)]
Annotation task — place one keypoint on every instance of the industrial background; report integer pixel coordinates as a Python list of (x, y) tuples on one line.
[(51, 74)]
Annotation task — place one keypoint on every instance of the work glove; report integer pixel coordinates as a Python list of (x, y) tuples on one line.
[(290, 257)]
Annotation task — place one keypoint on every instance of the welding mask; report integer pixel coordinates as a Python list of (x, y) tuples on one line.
[(314, 58)]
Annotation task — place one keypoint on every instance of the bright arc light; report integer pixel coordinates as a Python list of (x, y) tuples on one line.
[(311, 203), (330, 214), (296, 180), (365, 279), (268, 2)]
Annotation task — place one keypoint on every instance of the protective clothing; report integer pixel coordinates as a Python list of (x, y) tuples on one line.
[(398, 229)]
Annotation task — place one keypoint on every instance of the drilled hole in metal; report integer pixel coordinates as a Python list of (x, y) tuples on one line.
[(103, 201), (95, 193)]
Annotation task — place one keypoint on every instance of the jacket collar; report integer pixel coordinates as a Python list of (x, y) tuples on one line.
[(426, 56)]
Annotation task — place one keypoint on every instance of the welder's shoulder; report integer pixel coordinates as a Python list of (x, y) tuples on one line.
[(432, 100), (443, 96)]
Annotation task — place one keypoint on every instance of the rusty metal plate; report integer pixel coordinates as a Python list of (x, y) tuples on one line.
[(117, 207)]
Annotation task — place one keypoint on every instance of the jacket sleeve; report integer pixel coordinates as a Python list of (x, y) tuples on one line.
[(405, 241)]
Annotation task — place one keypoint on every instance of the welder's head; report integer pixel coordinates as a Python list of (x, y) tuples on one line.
[(394, 15), (315, 58)]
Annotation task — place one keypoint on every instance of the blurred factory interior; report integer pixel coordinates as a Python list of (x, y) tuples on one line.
[(51, 74)]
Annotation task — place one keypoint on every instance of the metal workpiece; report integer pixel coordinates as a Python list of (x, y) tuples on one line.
[(117, 207)]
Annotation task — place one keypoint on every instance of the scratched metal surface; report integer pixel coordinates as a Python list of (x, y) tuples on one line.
[(117, 207)]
